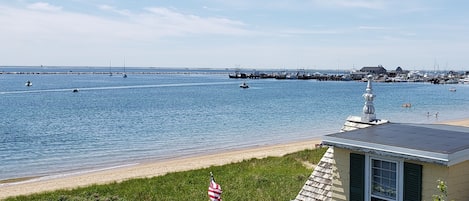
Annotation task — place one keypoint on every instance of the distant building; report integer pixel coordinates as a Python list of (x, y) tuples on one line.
[(378, 70), (358, 75), (398, 72)]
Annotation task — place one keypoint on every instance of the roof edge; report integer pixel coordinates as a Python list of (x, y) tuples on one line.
[(393, 151)]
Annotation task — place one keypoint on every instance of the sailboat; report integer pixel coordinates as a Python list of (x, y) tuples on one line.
[(28, 83), (110, 72), (125, 75)]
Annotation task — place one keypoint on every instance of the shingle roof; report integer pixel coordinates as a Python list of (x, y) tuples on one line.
[(355, 122), (319, 184)]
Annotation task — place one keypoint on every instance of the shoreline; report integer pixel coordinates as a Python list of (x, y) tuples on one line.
[(30, 185), (147, 169), (456, 122)]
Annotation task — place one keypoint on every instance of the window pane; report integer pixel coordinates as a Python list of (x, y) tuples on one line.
[(376, 163), (384, 177), (386, 165)]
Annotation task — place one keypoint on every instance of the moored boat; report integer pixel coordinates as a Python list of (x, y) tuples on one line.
[(28, 83), (244, 85)]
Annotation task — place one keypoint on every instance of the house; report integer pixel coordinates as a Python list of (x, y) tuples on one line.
[(373, 159), (397, 72), (397, 161), (378, 70)]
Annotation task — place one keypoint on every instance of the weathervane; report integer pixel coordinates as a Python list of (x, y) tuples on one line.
[(369, 109)]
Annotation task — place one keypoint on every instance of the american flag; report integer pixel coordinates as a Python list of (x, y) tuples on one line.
[(214, 190)]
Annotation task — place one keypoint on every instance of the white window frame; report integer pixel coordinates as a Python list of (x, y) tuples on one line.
[(399, 171)]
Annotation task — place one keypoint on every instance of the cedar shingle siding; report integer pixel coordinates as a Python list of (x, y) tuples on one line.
[(319, 184)]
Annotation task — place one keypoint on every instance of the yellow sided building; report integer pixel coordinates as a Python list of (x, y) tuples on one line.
[(393, 162), (374, 160)]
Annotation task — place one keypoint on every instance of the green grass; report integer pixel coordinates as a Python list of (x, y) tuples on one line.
[(272, 178)]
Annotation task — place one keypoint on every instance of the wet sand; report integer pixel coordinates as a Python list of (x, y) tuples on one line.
[(150, 169)]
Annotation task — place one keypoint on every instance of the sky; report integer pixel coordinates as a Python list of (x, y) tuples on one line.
[(246, 34)]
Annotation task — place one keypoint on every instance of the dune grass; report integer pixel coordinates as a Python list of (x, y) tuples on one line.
[(272, 178)]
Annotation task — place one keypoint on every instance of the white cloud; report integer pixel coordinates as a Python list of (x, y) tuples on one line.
[(187, 23), (375, 28), (311, 31), (368, 4), (70, 35), (44, 7), (112, 9), (149, 24)]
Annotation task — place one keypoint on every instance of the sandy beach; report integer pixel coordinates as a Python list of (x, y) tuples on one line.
[(460, 122), (150, 169), (161, 167)]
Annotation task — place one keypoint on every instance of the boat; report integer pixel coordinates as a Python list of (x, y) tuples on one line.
[(244, 85), (110, 72), (406, 105), (28, 83), (452, 89), (464, 80), (125, 75)]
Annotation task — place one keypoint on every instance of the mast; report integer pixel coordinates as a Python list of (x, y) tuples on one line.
[(125, 75), (110, 72)]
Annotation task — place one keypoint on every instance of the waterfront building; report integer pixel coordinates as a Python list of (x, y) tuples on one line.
[(374, 70)]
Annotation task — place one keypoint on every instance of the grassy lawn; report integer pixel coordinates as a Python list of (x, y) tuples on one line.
[(272, 178)]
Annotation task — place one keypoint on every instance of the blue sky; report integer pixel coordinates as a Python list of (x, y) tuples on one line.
[(251, 34)]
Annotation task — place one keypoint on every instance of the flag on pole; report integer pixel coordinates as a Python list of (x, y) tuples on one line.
[(214, 190)]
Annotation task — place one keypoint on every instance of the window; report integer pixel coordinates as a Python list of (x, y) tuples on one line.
[(383, 179), (379, 179), (383, 184)]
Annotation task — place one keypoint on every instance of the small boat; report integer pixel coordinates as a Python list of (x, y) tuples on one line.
[(244, 85), (452, 89), (75, 90), (124, 74), (28, 83), (407, 105)]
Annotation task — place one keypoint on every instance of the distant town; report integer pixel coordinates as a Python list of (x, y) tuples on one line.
[(379, 73)]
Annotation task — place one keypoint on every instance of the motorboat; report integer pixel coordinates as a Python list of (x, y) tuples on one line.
[(244, 85), (28, 83)]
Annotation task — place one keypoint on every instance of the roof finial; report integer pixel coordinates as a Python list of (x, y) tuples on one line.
[(369, 109)]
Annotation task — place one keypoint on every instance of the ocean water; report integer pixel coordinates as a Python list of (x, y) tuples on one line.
[(47, 130)]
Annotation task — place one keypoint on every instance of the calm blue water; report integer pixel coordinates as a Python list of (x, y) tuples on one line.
[(47, 130)]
